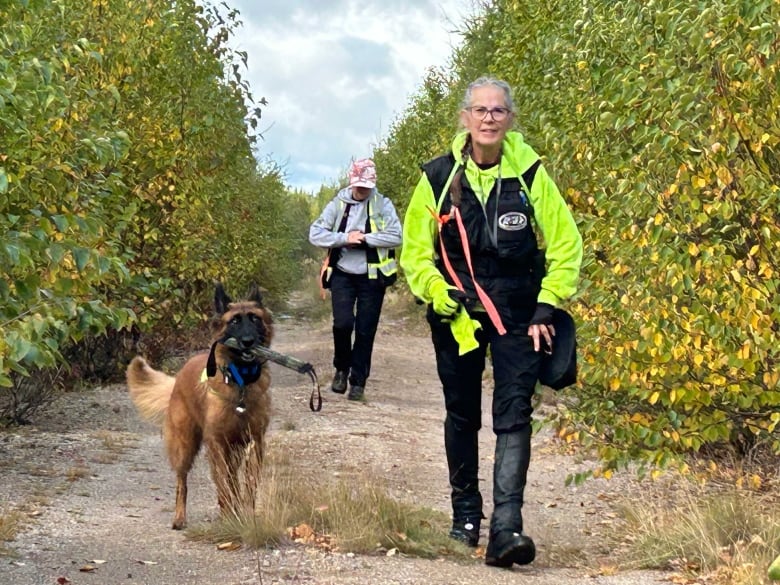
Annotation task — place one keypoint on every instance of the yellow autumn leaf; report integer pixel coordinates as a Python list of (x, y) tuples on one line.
[(693, 249), (658, 339), (614, 384), (736, 275), (654, 397), (698, 359), (724, 175)]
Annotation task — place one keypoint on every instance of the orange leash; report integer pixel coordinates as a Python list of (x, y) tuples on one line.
[(487, 303), (323, 270)]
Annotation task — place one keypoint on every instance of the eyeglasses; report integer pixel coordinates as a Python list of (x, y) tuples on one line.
[(481, 112)]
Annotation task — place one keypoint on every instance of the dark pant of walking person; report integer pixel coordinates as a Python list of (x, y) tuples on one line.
[(357, 305), (515, 371)]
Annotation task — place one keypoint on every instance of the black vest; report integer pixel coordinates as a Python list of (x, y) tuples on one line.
[(504, 250)]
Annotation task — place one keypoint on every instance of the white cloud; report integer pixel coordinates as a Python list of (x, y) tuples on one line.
[(336, 73)]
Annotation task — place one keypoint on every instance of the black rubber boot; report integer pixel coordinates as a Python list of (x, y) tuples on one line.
[(462, 449), (507, 544), (339, 384), (356, 393)]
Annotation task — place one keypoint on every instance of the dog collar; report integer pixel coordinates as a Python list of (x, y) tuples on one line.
[(241, 375)]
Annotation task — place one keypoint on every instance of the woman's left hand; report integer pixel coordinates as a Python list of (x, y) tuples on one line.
[(541, 333)]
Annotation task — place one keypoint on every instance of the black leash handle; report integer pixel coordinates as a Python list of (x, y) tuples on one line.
[(315, 392)]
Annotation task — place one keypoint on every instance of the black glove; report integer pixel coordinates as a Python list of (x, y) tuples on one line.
[(543, 314)]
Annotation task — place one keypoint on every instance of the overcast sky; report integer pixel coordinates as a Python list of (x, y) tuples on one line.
[(336, 73)]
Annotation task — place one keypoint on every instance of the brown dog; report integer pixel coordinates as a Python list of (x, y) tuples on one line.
[(219, 398)]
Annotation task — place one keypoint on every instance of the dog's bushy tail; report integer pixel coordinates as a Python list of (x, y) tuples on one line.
[(149, 389)]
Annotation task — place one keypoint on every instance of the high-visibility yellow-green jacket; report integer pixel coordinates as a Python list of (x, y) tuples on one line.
[(552, 222)]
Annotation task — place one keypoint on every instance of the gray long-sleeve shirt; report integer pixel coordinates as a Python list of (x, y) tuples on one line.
[(323, 234)]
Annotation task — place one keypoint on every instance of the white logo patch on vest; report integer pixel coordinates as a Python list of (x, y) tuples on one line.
[(513, 221)]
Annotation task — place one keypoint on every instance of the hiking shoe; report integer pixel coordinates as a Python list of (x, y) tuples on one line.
[(507, 547), (339, 384), (356, 393), (465, 531)]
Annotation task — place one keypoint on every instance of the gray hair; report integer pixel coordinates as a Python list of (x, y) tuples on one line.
[(489, 81)]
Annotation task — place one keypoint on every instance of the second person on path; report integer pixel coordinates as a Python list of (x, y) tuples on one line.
[(360, 228)]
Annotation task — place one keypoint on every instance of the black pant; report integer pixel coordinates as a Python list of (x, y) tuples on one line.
[(515, 373), (357, 304)]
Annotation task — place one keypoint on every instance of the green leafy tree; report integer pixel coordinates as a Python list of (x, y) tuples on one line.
[(128, 182)]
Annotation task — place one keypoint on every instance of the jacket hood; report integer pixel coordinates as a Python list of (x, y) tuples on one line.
[(519, 155), (345, 195)]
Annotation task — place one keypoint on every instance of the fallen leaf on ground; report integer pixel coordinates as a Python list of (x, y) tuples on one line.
[(302, 533), (680, 580), (607, 570)]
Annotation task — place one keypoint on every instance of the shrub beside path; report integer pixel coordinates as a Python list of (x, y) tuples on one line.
[(90, 482)]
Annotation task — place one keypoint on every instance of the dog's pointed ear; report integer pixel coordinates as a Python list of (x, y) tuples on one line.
[(221, 300), (254, 295)]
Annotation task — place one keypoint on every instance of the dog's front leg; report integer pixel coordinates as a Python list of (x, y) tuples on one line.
[(180, 514)]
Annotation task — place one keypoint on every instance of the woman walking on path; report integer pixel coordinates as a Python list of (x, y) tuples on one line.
[(471, 252)]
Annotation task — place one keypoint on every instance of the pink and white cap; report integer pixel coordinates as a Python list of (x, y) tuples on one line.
[(363, 173)]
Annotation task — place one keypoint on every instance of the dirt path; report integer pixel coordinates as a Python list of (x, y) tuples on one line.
[(95, 490)]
